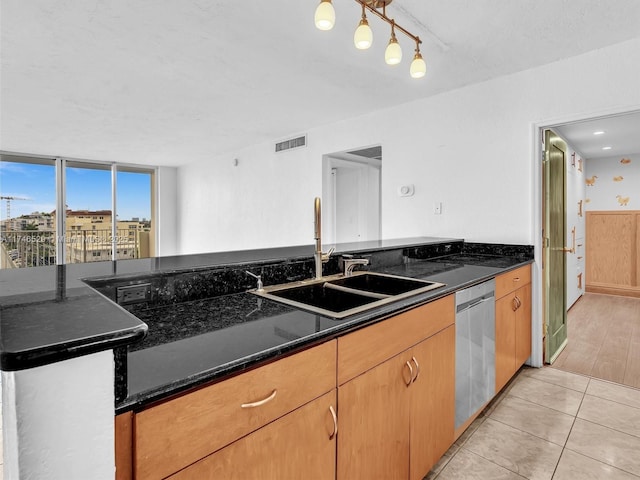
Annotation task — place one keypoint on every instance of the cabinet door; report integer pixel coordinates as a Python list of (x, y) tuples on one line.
[(523, 325), (505, 340), (301, 444), (432, 401), (373, 410)]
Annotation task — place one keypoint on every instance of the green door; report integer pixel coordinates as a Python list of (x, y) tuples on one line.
[(554, 264)]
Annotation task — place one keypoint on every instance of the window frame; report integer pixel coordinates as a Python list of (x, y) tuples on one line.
[(60, 164)]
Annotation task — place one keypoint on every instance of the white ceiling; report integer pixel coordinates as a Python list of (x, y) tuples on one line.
[(621, 133), (168, 82)]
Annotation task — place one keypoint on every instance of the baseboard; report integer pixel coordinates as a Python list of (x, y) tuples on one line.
[(613, 290)]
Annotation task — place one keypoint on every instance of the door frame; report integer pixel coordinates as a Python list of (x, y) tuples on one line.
[(537, 151), (331, 163)]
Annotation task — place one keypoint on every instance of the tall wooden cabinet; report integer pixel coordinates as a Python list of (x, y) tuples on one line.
[(396, 394), (513, 323)]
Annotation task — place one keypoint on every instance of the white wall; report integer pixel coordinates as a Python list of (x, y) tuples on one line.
[(167, 211), (471, 149), (58, 420), (615, 176)]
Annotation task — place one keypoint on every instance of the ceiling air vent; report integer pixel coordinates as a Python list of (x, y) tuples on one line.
[(292, 143), (371, 152)]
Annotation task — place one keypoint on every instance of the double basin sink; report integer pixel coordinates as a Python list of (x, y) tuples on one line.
[(340, 296)]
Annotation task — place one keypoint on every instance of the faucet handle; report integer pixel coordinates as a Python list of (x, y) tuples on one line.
[(258, 278), (326, 255)]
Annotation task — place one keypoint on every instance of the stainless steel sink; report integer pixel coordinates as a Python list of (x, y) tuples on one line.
[(339, 296)]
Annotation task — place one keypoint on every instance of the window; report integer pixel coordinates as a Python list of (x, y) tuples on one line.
[(28, 191), (88, 195), (133, 198), (35, 190)]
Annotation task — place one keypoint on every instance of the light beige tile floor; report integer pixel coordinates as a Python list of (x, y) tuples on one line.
[(549, 424)]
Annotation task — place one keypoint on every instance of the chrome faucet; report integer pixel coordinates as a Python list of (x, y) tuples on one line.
[(319, 256), (349, 263)]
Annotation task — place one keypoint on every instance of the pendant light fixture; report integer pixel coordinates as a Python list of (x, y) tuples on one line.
[(393, 52), (325, 16), (363, 36), (418, 67)]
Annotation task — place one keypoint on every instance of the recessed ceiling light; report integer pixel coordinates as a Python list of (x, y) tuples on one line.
[(599, 132), (606, 148)]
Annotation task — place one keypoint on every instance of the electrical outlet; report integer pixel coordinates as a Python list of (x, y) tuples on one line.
[(133, 293)]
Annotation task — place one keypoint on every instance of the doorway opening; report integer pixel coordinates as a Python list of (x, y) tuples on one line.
[(611, 143), (351, 192)]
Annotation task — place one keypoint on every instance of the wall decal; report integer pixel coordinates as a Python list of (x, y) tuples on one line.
[(625, 161), (590, 181), (619, 178), (623, 201)]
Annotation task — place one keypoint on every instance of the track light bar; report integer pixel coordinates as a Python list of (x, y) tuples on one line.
[(363, 37)]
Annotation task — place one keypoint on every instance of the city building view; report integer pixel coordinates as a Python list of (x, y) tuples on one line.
[(31, 232), (30, 240)]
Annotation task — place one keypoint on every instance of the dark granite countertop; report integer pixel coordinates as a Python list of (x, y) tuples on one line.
[(48, 314), (210, 327), (215, 337)]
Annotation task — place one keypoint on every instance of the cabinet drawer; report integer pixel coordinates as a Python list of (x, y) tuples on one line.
[(177, 433), (362, 350), (510, 281), (302, 444)]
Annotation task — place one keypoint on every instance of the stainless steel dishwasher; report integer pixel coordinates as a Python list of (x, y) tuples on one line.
[(475, 349)]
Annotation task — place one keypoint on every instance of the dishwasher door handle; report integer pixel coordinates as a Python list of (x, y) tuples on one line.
[(476, 303)]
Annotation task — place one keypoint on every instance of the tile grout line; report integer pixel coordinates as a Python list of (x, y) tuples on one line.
[(608, 428), (564, 447), (496, 464), (593, 423)]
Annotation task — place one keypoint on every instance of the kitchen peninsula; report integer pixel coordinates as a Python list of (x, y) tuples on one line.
[(199, 327)]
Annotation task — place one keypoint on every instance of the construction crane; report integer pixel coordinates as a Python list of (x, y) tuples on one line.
[(8, 199)]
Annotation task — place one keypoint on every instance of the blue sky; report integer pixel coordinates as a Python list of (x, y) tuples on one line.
[(87, 189)]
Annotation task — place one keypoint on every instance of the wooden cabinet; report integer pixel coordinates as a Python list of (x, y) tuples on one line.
[(179, 432), (433, 402), (513, 323), (302, 444), (397, 396), (374, 416)]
